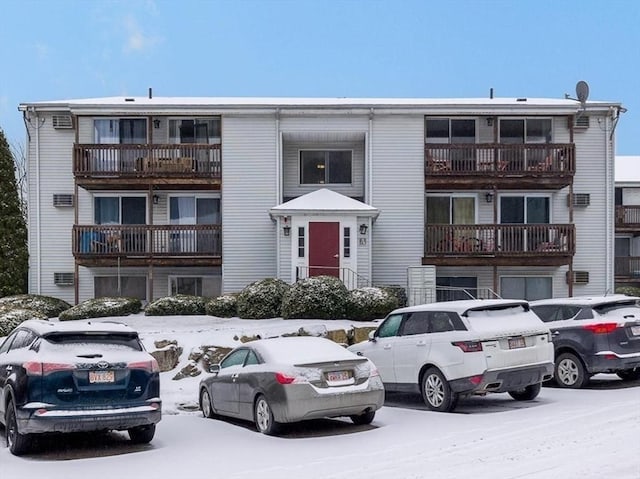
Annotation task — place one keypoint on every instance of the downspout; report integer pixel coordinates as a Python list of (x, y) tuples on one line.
[(278, 196), (369, 195), (38, 213), (609, 226)]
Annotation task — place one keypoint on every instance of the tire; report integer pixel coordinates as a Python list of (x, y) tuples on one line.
[(629, 374), (263, 416), (437, 393), (526, 394), (570, 372), (17, 443), (142, 434), (363, 419), (205, 404)]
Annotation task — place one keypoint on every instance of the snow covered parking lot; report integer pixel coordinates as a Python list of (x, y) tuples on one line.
[(589, 433)]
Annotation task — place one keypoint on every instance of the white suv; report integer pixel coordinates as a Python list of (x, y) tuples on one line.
[(457, 348)]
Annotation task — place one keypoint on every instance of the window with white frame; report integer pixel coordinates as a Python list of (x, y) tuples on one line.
[(301, 242), (346, 242), (325, 167), (451, 209), (526, 287), (207, 286), (194, 210)]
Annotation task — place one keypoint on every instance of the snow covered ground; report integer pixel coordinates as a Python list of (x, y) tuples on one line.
[(587, 434)]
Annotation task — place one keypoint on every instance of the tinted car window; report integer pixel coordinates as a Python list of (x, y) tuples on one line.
[(251, 359), (546, 313), (234, 359), (105, 340), (440, 322), (585, 313), (390, 326), (7, 342), (23, 339), (416, 323)]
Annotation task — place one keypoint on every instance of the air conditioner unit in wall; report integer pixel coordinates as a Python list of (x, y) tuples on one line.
[(62, 121), (579, 199), (579, 277), (63, 200), (581, 122), (63, 279)]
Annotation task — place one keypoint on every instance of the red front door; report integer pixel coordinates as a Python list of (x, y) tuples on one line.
[(324, 249)]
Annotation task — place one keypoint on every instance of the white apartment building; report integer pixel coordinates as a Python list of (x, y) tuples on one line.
[(627, 221)]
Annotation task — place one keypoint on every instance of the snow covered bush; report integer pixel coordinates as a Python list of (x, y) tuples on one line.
[(366, 304), (628, 290), (262, 299), (102, 307), (225, 306), (12, 317), (318, 297), (47, 305), (180, 304), (399, 292)]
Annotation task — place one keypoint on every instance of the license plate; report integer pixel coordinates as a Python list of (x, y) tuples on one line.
[(515, 343), (336, 376), (99, 377), (635, 330)]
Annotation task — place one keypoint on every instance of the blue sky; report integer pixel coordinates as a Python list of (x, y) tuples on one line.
[(61, 49)]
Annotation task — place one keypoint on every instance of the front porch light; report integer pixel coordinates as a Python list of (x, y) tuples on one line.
[(363, 229), (286, 228)]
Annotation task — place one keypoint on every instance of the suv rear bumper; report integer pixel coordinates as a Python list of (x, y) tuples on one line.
[(37, 418), (608, 361), (503, 380)]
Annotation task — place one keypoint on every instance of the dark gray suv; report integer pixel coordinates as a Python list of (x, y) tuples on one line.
[(592, 335)]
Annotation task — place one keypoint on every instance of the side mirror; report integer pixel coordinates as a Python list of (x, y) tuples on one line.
[(214, 368), (372, 336)]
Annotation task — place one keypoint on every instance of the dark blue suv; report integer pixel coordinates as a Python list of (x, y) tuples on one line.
[(76, 376), (591, 335)]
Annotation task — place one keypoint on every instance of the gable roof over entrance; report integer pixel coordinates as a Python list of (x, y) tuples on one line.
[(322, 202)]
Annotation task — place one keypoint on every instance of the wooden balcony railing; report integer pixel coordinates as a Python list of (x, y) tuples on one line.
[(499, 159), (627, 267), (146, 241), (628, 217), (500, 240), (148, 160)]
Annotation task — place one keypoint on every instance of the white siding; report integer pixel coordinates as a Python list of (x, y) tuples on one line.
[(397, 237), (249, 191), (56, 223)]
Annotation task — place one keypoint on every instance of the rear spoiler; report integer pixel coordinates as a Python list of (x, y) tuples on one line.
[(497, 307)]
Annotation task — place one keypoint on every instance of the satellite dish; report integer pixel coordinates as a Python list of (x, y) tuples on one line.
[(582, 92)]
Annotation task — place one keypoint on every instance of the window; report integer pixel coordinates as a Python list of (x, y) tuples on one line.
[(549, 313), (325, 167), (23, 339), (524, 131), (526, 287), (618, 196), (236, 358), (456, 210), (456, 288), (116, 210), (346, 239), (123, 131), (301, 242), (192, 210), (416, 323), (129, 286), (198, 130), (390, 326), (252, 358), (208, 286), (450, 130), (529, 210)]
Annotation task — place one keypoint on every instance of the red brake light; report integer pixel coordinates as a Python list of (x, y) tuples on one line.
[(468, 346), (148, 366), (34, 368), (602, 328), (476, 379), (284, 379)]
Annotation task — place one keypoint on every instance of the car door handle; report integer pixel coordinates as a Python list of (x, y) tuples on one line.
[(387, 346), (234, 376), (421, 343), (555, 333)]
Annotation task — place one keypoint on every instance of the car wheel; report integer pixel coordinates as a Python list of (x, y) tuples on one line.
[(437, 393), (570, 372), (17, 443), (629, 374), (526, 394), (142, 434), (205, 404), (264, 417), (364, 418)]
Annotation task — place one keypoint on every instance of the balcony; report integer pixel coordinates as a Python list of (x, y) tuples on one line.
[(499, 245), (627, 219), (488, 165), (130, 167), (627, 269), (142, 245)]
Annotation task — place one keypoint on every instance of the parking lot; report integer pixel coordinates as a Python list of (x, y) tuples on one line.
[(589, 433)]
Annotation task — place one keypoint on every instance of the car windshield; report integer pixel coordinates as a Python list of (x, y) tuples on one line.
[(128, 341)]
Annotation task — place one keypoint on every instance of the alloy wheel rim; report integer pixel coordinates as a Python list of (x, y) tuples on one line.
[(11, 431), (568, 372), (262, 413), (434, 390), (206, 404)]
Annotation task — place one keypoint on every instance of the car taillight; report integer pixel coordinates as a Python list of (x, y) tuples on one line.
[(468, 346), (286, 379), (148, 366), (373, 372), (34, 368), (602, 328), (476, 379)]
